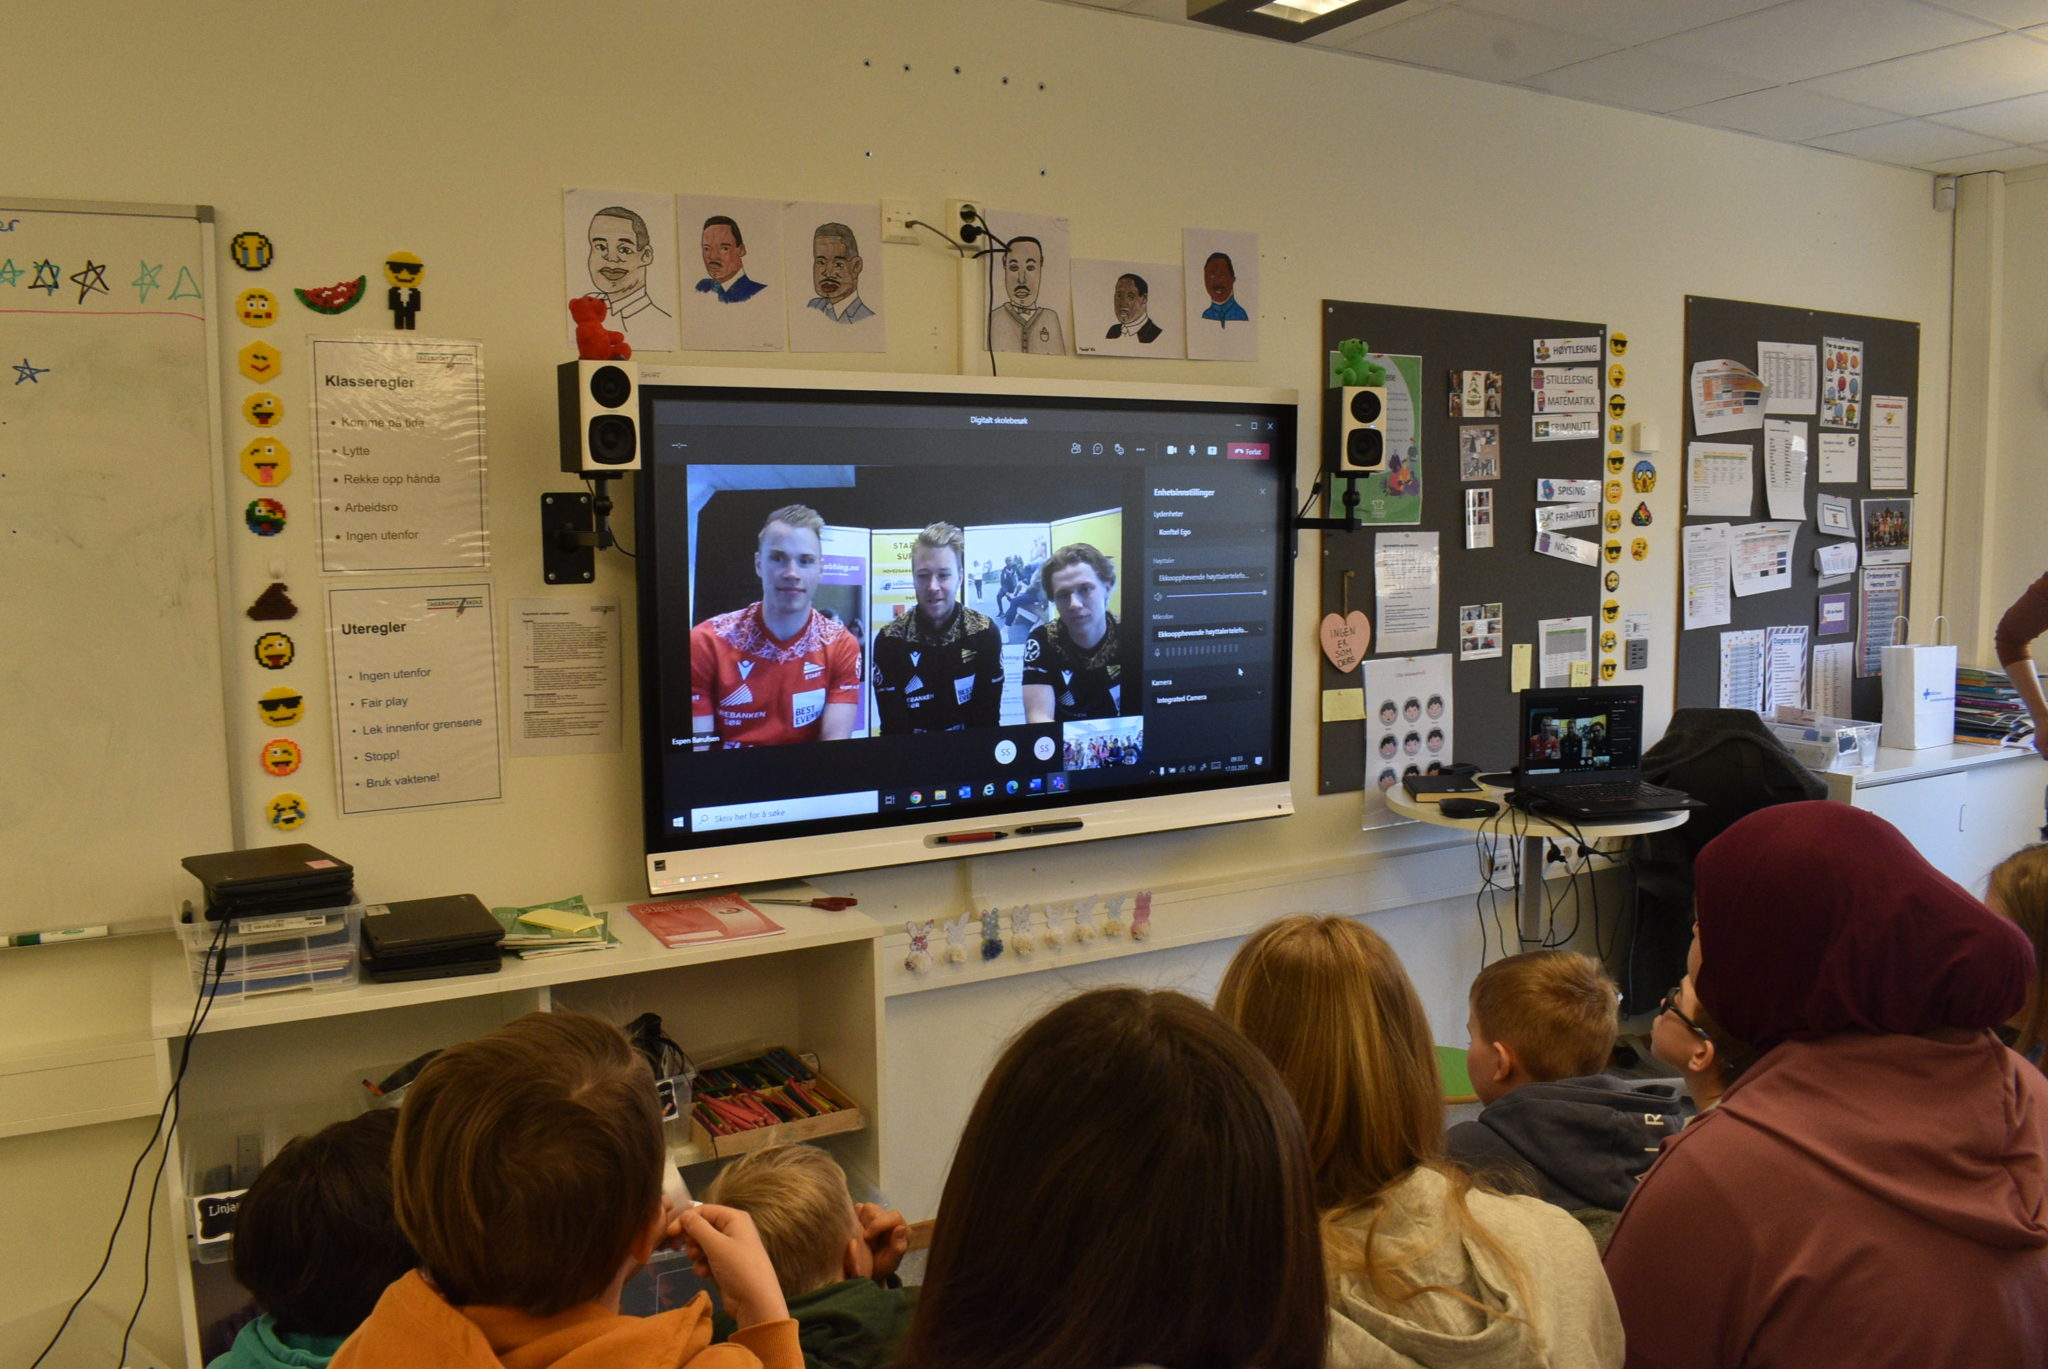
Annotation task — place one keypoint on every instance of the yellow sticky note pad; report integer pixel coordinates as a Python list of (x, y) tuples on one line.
[(1343, 705), (1520, 663), (555, 921), (1582, 674)]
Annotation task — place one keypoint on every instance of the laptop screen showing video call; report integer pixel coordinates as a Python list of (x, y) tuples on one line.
[(979, 693), (1586, 733)]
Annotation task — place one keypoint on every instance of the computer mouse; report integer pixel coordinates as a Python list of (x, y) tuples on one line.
[(1468, 808)]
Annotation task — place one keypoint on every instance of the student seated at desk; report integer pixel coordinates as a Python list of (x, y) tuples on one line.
[(836, 1262), (528, 1173), (1426, 1269), (316, 1243), (1543, 1025)]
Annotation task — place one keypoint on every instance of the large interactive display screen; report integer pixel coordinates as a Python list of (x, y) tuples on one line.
[(895, 618)]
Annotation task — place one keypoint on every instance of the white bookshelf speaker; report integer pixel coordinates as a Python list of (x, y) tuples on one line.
[(600, 404), (1362, 428)]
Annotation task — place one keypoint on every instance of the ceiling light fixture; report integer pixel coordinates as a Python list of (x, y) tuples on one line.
[(1288, 20)]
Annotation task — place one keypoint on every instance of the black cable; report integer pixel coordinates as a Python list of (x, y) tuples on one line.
[(943, 235), (606, 537), (215, 959), (989, 323)]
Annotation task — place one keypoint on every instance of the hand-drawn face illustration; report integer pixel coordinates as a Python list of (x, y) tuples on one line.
[(1129, 299), (1219, 278), (1023, 263), (835, 262), (725, 255), (620, 251)]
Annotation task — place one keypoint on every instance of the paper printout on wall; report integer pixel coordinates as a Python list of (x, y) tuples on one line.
[(1562, 643), (1833, 674), (1128, 309), (1790, 371), (1720, 479), (1405, 582), (1884, 597), (1785, 664), (1727, 397), (565, 676), (836, 296), (1839, 458), (734, 277), (1834, 515), (1704, 568), (1841, 383), (1742, 669), (1784, 468), (620, 245), (1761, 557), (1220, 286), (1408, 723), (1888, 439)]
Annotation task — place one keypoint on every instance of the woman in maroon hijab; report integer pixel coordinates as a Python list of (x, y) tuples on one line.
[(1874, 1189)]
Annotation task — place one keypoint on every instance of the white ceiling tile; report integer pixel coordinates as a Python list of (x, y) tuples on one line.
[(1788, 113), (2024, 120), (2015, 13), (2011, 159), (1346, 35), (1479, 45), (1907, 143), (1806, 38), (1968, 74), (1626, 22), (1641, 80)]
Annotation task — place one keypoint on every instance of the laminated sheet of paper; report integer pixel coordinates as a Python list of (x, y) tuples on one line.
[(565, 676), (1887, 532), (1840, 458), (1568, 491), (1407, 725), (1742, 669), (1835, 615), (1834, 674), (1480, 631), (1841, 382), (1834, 515), (1704, 571), (1557, 517), (415, 681), (1790, 372), (1888, 442), (1785, 666), (1561, 644), (1727, 397), (1564, 427), (1784, 468), (1836, 558), (1883, 594), (1565, 547), (1478, 519), (1760, 557), (1720, 479), (1406, 581), (1565, 389)]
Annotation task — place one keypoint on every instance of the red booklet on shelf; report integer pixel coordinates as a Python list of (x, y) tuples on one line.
[(718, 917)]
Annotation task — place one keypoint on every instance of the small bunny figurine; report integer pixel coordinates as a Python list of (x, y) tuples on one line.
[(991, 933), (1084, 922), (1113, 921), (1020, 930), (1141, 920), (956, 940), (920, 958), (1055, 935)]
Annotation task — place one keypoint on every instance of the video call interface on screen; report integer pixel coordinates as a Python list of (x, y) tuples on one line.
[(1561, 742), (846, 665)]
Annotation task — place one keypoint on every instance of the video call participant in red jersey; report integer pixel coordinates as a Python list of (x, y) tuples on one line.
[(1074, 666), (940, 666), (776, 671)]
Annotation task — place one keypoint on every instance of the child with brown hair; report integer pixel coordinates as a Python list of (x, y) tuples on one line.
[(1542, 1026), (838, 1271), (528, 1173), (316, 1243), (2018, 892)]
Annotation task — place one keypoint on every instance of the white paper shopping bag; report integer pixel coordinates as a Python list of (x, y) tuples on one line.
[(1919, 692)]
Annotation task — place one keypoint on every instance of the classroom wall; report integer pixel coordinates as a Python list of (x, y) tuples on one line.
[(450, 130)]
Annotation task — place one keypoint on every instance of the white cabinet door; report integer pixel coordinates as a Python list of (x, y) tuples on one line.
[(1930, 811)]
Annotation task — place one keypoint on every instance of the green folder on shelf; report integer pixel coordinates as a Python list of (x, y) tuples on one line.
[(576, 928)]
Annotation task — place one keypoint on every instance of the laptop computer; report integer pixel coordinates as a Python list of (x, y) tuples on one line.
[(1582, 756)]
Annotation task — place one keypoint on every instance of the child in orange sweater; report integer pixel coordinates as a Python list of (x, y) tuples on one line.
[(528, 1175)]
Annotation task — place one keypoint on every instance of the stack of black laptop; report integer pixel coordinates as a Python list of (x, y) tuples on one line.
[(271, 880), (430, 938)]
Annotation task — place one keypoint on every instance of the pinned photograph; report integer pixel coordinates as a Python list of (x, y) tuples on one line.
[(1029, 304), (1479, 452), (1221, 288), (1475, 394), (1127, 308), (620, 246), (834, 303), (1887, 532), (734, 302)]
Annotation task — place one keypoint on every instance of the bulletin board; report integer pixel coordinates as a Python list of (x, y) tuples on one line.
[(1527, 585), (110, 494), (1889, 365)]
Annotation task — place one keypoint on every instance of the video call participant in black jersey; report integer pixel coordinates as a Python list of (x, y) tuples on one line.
[(1074, 665), (940, 666)]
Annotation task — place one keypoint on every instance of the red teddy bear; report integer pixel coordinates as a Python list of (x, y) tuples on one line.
[(594, 341)]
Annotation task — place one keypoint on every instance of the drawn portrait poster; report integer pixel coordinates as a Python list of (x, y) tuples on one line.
[(1221, 271), (1029, 303), (1127, 309), (833, 253), (620, 246), (733, 273)]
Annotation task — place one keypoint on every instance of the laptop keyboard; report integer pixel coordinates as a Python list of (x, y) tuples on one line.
[(1614, 791)]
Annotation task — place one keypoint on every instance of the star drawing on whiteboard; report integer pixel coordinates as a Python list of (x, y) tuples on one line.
[(10, 273), (146, 279), (46, 277), (29, 372), (90, 277)]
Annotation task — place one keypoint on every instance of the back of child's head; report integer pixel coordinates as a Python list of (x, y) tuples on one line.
[(2018, 892), (1130, 1188), (797, 1197), (1557, 1010), (316, 1238), (528, 1161)]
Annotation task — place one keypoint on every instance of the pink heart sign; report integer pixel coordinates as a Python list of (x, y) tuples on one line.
[(1345, 639)]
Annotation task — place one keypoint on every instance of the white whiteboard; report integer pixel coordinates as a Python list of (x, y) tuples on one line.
[(110, 611)]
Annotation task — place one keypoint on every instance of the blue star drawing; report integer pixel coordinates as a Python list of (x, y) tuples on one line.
[(10, 273), (90, 277), (46, 277), (147, 280), (29, 372)]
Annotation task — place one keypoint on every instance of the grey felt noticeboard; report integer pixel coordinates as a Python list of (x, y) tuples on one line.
[(1527, 585), (1725, 328)]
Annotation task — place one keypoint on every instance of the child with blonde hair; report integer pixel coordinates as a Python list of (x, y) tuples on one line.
[(2018, 892), (836, 1261)]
